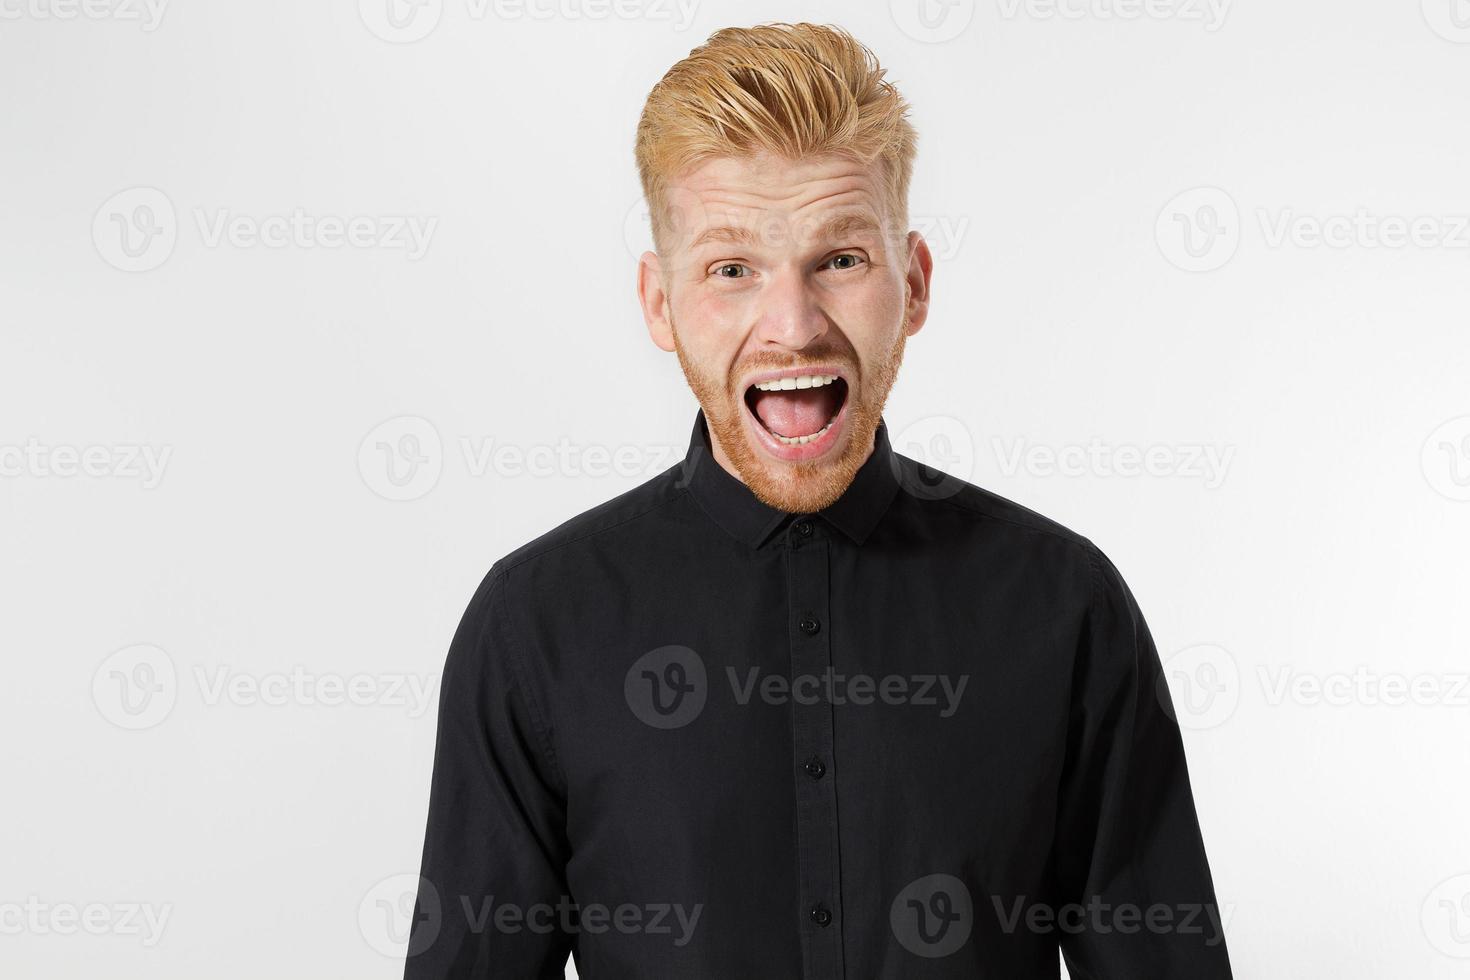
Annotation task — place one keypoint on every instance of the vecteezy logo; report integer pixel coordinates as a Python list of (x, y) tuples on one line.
[(136, 687), (638, 229), (932, 916), (135, 230), (385, 916), (684, 216), (1199, 230), (1200, 686), (666, 688), (1445, 459), (402, 458), (945, 448), (932, 21), (1446, 917), (1450, 19), (400, 21)]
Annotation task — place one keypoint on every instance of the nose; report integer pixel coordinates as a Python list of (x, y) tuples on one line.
[(791, 316)]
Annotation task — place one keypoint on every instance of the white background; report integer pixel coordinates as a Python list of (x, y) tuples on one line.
[(1063, 159)]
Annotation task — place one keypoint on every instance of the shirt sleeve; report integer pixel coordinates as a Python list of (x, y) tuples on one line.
[(491, 899), (1136, 897)]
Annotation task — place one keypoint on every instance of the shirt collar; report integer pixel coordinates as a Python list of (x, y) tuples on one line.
[(731, 504)]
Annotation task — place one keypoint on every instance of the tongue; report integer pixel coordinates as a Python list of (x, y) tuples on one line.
[(799, 412)]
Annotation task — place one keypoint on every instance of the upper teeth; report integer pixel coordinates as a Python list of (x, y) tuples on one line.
[(801, 381)]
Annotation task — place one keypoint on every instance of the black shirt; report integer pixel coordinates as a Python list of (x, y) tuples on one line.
[(921, 733)]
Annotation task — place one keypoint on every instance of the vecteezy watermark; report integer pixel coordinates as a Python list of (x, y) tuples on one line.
[(1099, 916), (298, 686), (121, 461), (1445, 459), (136, 230), (943, 447), (298, 228), (401, 459), (932, 916), (932, 21), (1199, 229), (401, 21), (1209, 13), (669, 687), (945, 234), (1363, 229), (406, 21), (141, 920), (684, 215), (138, 687), (565, 458), (1445, 917), (832, 687), (147, 14), (1363, 687), (1203, 462), (1200, 686), (1450, 19), (404, 457), (385, 916)]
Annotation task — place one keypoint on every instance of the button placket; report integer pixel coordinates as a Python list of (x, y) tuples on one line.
[(808, 593)]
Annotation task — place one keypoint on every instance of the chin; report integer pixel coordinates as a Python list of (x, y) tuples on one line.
[(826, 440)]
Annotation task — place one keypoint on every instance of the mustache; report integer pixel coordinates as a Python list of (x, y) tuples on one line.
[(779, 362)]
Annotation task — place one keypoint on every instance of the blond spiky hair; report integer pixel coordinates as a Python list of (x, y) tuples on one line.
[(797, 90)]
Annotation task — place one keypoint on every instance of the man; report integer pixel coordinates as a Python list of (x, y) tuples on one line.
[(799, 706)]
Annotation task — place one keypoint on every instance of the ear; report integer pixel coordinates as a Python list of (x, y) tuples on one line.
[(654, 299), (920, 270)]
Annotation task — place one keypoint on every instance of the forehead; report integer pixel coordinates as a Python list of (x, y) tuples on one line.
[(772, 185)]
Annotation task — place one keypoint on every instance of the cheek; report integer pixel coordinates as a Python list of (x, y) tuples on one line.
[(712, 323), (723, 308), (872, 319), (704, 336)]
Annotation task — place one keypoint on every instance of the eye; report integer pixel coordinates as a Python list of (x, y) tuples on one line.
[(731, 270), (845, 261)]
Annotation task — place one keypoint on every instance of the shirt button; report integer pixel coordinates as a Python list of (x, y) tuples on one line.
[(821, 916), (809, 625), (816, 769), (804, 528)]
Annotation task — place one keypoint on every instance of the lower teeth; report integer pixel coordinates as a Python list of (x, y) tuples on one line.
[(802, 440)]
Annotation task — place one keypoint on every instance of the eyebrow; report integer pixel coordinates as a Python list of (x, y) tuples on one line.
[(838, 225)]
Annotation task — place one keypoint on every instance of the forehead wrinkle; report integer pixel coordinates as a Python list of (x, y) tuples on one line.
[(761, 196), (846, 218)]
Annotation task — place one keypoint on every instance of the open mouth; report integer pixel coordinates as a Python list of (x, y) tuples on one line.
[(800, 413)]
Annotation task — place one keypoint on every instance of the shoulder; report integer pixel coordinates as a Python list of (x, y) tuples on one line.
[(607, 525), (538, 569), (948, 500), (997, 532)]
